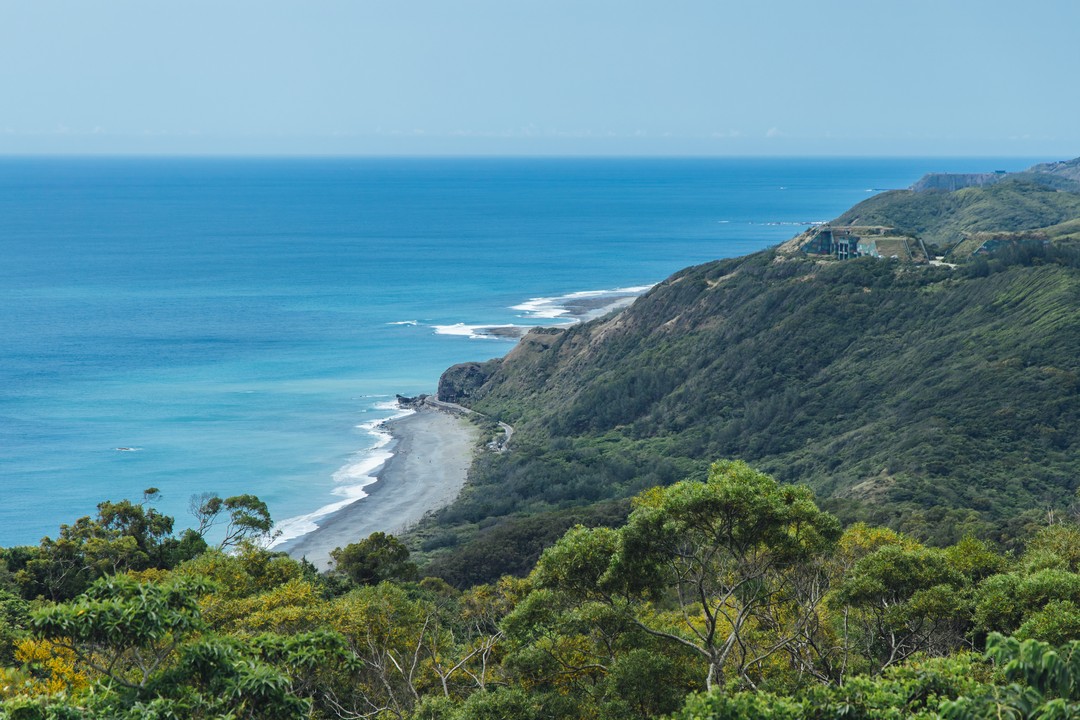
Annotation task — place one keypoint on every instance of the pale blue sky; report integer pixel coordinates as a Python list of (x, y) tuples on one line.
[(633, 77)]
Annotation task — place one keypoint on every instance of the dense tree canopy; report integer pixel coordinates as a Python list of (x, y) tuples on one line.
[(733, 596)]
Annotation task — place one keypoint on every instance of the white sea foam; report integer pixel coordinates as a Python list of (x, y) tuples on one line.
[(473, 332), (404, 322), (350, 479), (569, 309), (390, 405), (797, 223), (636, 290), (561, 305), (294, 527), (541, 308)]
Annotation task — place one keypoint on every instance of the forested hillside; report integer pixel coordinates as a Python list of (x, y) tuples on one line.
[(938, 400)]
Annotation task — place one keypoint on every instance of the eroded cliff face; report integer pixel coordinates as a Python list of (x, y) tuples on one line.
[(1060, 175), (461, 383), (1068, 169)]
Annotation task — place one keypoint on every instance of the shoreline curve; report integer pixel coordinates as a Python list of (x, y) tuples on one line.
[(432, 453)]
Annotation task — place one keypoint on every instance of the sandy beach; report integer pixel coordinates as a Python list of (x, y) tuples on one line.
[(433, 449), (432, 453)]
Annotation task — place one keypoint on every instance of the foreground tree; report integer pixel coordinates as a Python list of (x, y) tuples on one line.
[(1044, 683), (916, 691), (902, 600), (728, 568), (143, 650), (374, 559), (124, 536), (122, 629), (247, 519)]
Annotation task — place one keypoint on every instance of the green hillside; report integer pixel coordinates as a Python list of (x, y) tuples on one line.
[(939, 401), (943, 219)]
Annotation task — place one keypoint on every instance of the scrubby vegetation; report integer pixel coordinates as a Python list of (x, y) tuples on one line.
[(1021, 203), (940, 402), (734, 596)]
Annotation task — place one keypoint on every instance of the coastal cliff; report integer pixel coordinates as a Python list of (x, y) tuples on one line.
[(1058, 175)]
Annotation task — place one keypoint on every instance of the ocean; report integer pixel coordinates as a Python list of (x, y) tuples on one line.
[(242, 325)]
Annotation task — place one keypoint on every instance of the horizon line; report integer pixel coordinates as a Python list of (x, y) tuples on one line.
[(512, 156)]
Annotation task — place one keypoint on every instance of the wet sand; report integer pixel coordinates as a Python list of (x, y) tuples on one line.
[(432, 454)]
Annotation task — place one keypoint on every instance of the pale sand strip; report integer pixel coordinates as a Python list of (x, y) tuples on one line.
[(432, 453)]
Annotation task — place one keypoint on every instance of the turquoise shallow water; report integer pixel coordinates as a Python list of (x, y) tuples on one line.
[(240, 324)]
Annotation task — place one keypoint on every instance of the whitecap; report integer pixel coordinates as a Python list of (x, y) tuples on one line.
[(567, 309), (413, 323), (579, 305), (635, 290), (392, 404), (474, 332), (541, 308)]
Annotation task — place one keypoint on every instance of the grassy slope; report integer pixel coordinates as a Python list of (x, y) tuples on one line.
[(942, 218)]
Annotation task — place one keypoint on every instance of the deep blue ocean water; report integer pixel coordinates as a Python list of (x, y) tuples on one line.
[(238, 325)]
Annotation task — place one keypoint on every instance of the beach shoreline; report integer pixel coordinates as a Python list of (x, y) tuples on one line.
[(432, 452), (432, 447)]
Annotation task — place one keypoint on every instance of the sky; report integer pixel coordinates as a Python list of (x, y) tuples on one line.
[(543, 77)]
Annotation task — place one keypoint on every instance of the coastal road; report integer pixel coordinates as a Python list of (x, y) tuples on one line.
[(498, 446)]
